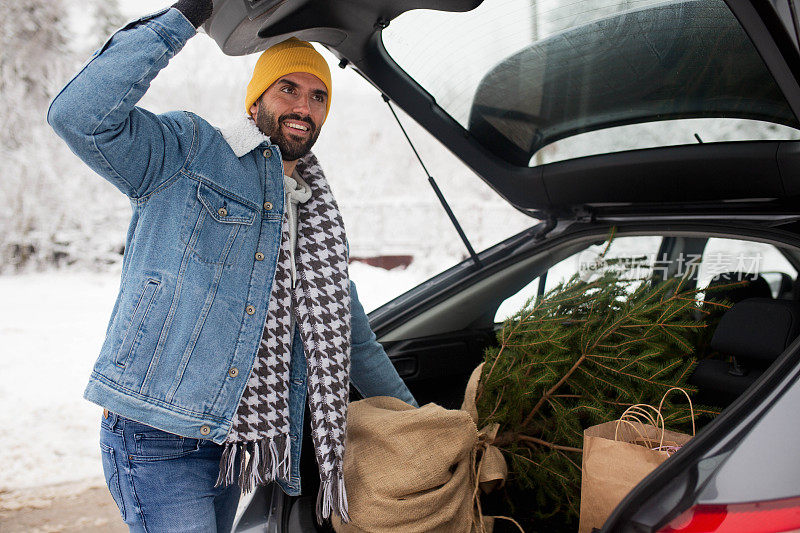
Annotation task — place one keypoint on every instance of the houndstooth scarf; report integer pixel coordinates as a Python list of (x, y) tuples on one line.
[(321, 304)]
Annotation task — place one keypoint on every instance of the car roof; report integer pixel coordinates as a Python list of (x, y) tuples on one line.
[(725, 175)]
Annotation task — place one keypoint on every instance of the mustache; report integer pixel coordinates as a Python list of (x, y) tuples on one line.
[(296, 116)]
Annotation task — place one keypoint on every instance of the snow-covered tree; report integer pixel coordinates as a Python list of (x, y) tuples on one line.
[(44, 189), (33, 53), (107, 19), (32, 49)]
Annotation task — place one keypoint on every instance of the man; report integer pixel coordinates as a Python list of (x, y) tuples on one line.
[(235, 304)]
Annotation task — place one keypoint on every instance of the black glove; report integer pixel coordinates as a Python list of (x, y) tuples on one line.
[(197, 11)]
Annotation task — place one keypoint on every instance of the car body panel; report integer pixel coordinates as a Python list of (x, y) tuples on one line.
[(774, 452)]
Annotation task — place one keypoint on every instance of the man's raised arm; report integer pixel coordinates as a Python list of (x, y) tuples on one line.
[(96, 113)]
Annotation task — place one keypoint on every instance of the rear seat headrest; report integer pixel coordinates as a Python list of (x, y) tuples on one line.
[(756, 288), (757, 329)]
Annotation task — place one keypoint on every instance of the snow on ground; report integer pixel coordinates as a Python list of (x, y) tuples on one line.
[(51, 329)]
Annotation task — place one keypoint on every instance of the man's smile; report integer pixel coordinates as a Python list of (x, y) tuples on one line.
[(297, 127)]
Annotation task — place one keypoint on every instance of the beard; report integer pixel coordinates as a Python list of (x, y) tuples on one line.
[(292, 147)]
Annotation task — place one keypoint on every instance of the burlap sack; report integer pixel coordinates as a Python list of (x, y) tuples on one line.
[(614, 461), (410, 470)]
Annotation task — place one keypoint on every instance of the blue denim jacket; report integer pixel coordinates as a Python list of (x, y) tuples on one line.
[(196, 278)]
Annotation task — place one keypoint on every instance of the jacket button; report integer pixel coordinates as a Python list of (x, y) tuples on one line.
[(259, 256), (250, 310), (267, 153), (233, 372), (267, 206), (205, 430), (222, 212)]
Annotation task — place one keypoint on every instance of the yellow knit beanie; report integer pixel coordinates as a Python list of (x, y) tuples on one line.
[(291, 55)]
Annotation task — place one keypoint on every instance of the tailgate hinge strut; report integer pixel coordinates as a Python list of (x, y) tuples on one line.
[(436, 189)]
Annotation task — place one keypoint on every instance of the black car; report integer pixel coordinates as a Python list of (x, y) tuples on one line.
[(675, 122)]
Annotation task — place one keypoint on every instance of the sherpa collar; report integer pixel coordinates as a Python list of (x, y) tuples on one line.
[(242, 135)]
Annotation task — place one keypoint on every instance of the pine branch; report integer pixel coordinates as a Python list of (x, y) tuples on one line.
[(533, 440)]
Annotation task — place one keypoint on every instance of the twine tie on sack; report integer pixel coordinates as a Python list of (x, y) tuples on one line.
[(491, 456)]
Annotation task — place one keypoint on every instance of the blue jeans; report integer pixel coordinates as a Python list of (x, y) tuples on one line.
[(163, 482)]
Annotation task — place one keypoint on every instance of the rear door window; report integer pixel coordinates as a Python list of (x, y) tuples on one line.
[(633, 252), (540, 81), (722, 259), (746, 258)]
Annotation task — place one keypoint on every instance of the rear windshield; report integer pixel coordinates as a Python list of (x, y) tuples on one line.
[(540, 81)]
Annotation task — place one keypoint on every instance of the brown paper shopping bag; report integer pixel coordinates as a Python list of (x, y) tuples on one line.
[(617, 455)]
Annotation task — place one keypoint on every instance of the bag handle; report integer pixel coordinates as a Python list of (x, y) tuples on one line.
[(691, 407), (639, 411)]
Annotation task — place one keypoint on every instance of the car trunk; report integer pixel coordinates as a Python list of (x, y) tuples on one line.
[(436, 335)]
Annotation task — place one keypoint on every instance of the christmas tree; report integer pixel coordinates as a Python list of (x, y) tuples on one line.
[(579, 356)]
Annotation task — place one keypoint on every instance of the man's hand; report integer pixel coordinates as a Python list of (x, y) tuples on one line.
[(197, 11)]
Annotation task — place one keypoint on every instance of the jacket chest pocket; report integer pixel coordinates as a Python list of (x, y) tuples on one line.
[(215, 225)]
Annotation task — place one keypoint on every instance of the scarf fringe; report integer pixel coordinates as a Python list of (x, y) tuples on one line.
[(260, 463), (332, 496), (287, 461)]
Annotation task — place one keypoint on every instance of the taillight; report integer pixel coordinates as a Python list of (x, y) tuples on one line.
[(774, 516)]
